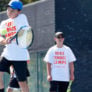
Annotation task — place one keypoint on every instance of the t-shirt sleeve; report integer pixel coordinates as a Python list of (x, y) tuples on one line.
[(48, 57), (21, 21), (25, 20), (72, 57)]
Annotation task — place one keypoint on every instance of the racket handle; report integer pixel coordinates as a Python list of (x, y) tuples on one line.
[(70, 83)]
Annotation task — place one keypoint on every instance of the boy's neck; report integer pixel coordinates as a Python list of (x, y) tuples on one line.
[(59, 45)]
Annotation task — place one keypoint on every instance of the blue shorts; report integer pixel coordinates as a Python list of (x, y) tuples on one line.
[(20, 68), (58, 86)]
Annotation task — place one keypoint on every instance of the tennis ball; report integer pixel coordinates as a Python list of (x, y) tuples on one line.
[(3, 32)]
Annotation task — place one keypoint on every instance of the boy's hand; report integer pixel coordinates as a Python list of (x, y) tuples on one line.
[(5, 41), (49, 77)]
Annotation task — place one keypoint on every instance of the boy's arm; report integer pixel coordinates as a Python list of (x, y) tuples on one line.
[(71, 66), (11, 70), (2, 41), (49, 77)]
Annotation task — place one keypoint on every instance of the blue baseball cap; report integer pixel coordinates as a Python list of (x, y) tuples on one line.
[(15, 4)]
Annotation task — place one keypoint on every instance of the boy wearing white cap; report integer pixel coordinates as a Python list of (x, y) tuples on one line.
[(60, 67)]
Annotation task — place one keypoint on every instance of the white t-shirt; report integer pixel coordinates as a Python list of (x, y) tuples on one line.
[(12, 51), (60, 59)]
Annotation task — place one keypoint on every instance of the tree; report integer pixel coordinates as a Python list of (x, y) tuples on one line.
[(28, 1), (3, 3)]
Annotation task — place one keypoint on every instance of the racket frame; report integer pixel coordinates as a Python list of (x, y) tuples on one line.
[(16, 36)]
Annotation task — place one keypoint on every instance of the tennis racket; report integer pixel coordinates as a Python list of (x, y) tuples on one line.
[(24, 37), (69, 86)]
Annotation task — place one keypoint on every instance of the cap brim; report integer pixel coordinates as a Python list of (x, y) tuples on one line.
[(10, 6), (59, 33)]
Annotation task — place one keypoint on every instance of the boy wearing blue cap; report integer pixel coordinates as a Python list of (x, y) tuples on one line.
[(12, 53)]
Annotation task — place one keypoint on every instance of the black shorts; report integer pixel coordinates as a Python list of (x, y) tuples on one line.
[(58, 86), (13, 83), (20, 68)]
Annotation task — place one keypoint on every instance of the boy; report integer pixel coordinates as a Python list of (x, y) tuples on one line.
[(60, 67), (13, 84), (12, 53)]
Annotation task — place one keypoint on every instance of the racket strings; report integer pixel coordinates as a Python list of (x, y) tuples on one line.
[(25, 37)]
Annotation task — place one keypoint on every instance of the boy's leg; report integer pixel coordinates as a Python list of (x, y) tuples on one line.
[(1, 82), (2, 90), (9, 90), (13, 84), (24, 86), (21, 74), (4, 67)]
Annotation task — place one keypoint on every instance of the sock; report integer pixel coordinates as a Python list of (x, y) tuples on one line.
[(2, 90)]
